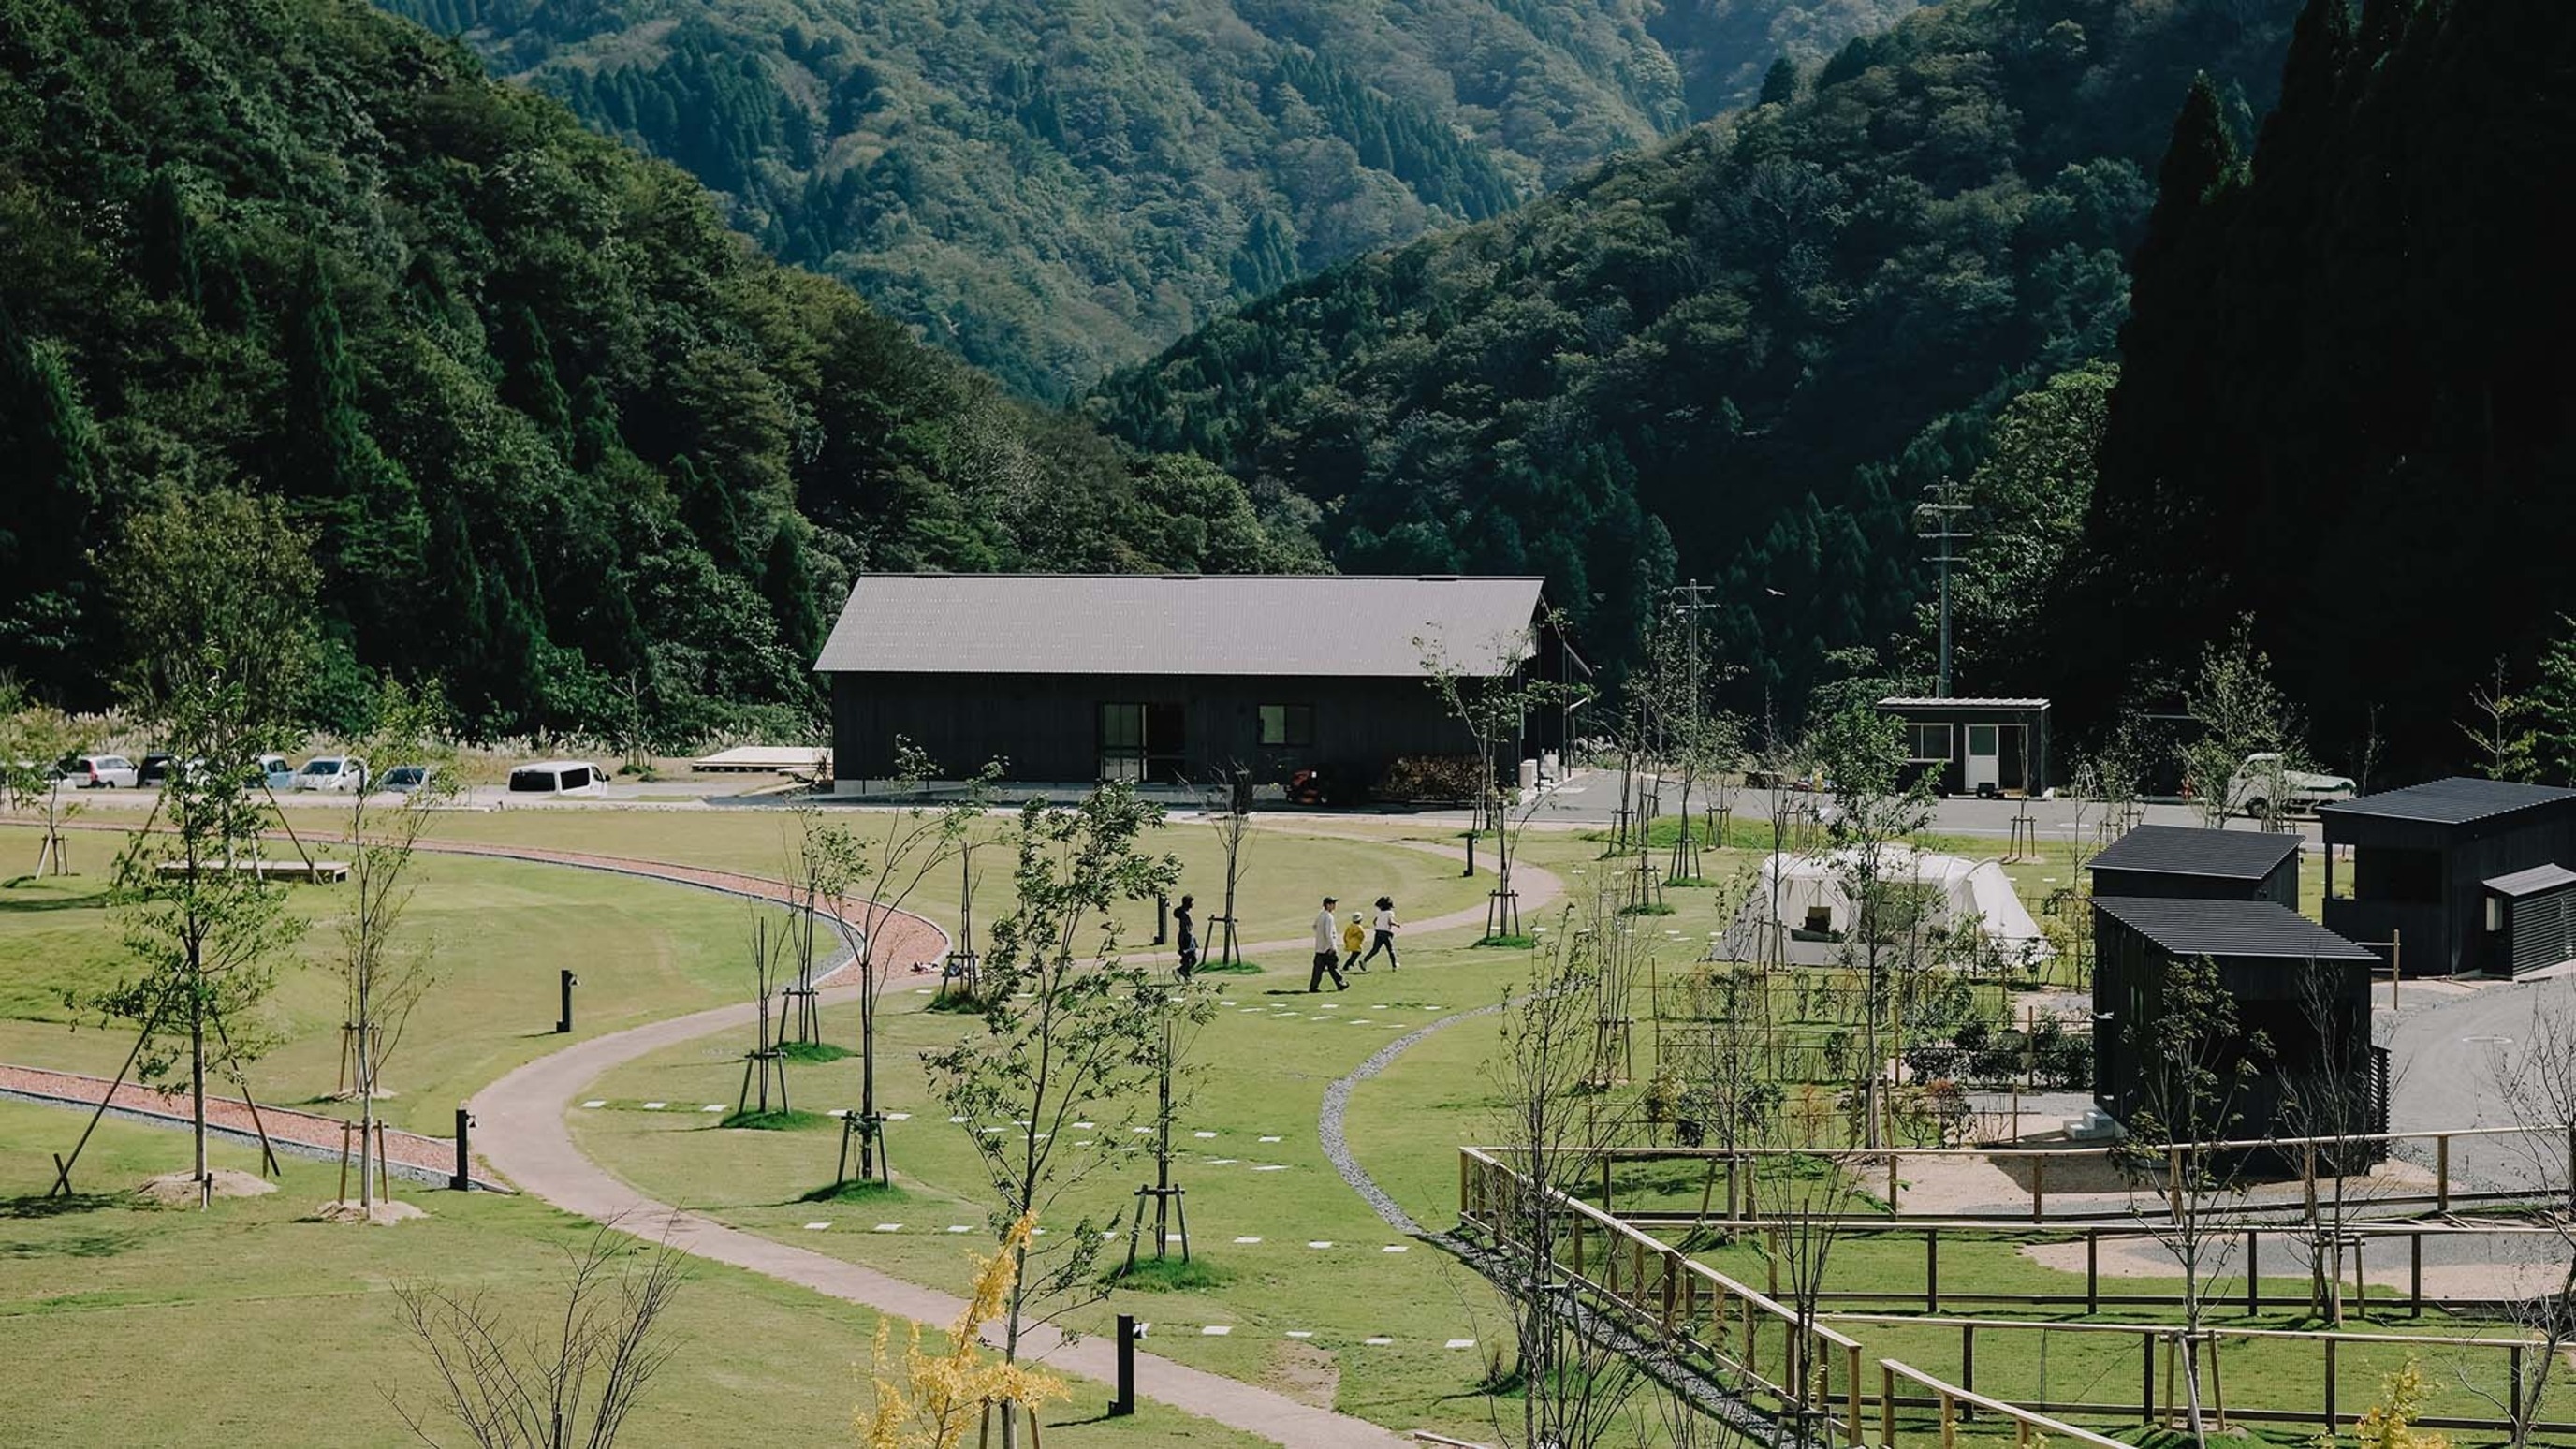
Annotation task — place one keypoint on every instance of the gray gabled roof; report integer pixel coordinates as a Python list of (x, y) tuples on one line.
[(1978, 701), (1349, 626), (2530, 882), (2183, 850), (2192, 927), (2456, 801)]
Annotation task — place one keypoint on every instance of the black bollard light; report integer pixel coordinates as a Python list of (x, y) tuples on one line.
[(1162, 919), (463, 1181), (564, 1022), (1125, 1404)]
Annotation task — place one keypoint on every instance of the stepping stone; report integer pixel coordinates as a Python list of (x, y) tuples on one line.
[(1325, 1243), (1460, 1343), (1086, 1126), (1225, 1003), (1378, 1342), (655, 1106), (1395, 1248), (1329, 1006), (1107, 1234), (1301, 1333), (712, 1107), (959, 1228), (1377, 1008), (1142, 1131), (838, 1112), (1085, 1142), (816, 1227), (1269, 1139), (1223, 1161), (887, 1228), (596, 1102), (898, 1116), (1036, 1232), (959, 1120), (921, 991), (991, 1131), (1216, 1330), (1203, 1135), (1270, 1167), (1247, 1241)]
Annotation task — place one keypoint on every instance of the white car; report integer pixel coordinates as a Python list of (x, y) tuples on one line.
[(332, 772), (404, 779), (2266, 780), (99, 772), (275, 771)]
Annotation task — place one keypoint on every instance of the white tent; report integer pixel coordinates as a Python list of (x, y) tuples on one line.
[(1816, 911)]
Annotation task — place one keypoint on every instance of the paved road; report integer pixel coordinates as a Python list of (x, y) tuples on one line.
[(2446, 1051)]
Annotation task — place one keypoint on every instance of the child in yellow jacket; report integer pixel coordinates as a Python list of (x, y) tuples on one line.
[(1353, 938)]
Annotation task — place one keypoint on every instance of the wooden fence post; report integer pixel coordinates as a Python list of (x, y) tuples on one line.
[(1968, 1366), (2253, 1274), (2039, 1189), (1932, 1270), (1886, 1404), (1851, 1373), (2092, 1270), (2442, 1173), (2330, 1385), (2147, 1378), (2415, 1274)]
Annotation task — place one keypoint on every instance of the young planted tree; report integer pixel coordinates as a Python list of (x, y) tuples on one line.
[(765, 1063), (2245, 719), (2535, 1078), (1492, 693), (567, 1379), (1068, 1029), (1875, 808), (33, 738), (2329, 1099), (2502, 741), (383, 972), (930, 1401), (1180, 1010), (2194, 1067), (862, 873), (220, 595), (1228, 813), (1573, 1386)]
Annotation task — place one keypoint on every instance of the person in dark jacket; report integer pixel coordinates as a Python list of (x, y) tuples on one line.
[(1383, 935), (1185, 923)]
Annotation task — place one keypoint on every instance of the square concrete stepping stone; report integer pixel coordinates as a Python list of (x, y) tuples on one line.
[(1395, 1248), (959, 1228), (991, 1131), (1378, 1342), (959, 1120), (1142, 1131), (1270, 1167), (816, 1227), (1269, 1139), (1086, 1142), (1379, 1007), (1203, 1136), (1247, 1241), (1328, 1006), (921, 991), (1301, 1333), (1086, 1126), (898, 1116), (1225, 1003), (1321, 1243), (1460, 1343), (1216, 1330), (838, 1112), (596, 1102), (1223, 1161), (887, 1228), (655, 1106)]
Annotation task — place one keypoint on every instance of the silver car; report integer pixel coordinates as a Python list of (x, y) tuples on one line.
[(332, 772), (99, 772)]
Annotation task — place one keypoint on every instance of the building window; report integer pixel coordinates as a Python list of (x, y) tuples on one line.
[(1927, 742), (1122, 742), (1288, 725)]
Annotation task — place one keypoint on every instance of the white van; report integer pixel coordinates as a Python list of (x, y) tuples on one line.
[(556, 777), (333, 772)]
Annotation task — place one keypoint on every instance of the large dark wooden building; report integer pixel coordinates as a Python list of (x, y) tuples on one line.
[(2176, 860), (2305, 989), (2467, 876), (1174, 679)]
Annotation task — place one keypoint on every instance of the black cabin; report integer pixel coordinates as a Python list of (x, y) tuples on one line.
[(1975, 746), (1175, 679), (2304, 988), (2179, 861), (2467, 876)]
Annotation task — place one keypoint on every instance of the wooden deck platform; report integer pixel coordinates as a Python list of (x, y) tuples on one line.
[(320, 872)]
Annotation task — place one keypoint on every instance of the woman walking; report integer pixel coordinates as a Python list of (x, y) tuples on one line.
[(1384, 938), (1186, 923)]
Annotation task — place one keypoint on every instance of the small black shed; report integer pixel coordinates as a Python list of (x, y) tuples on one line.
[(1976, 746), (2179, 861), (2306, 989), (2468, 876)]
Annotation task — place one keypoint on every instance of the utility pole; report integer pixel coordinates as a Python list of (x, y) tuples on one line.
[(1689, 600), (1936, 520)]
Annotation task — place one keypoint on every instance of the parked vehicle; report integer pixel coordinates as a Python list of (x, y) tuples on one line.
[(403, 779), (556, 777), (332, 772), (154, 769), (99, 772), (2265, 780), (275, 771)]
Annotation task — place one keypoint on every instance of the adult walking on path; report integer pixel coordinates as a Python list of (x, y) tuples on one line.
[(1382, 937), (1185, 927), (1328, 952)]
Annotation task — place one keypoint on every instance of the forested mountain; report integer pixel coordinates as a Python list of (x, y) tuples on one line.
[(1742, 355), (1055, 189), (2349, 408), (557, 436)]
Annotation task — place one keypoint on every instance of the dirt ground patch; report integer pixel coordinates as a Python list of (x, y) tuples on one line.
[(1305, 1373), (383, 1214), (179, 1189)]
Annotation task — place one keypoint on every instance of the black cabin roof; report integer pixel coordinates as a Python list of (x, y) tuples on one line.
[(2192, 927), (2456, 801), (2182, 850)]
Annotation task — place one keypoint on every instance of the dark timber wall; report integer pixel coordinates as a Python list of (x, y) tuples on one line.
[(2423, 878)]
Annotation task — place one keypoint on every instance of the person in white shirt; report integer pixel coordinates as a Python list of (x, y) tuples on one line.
[(1328, 952), (1383, 939)]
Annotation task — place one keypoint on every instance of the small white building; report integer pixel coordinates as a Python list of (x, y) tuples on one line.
[(1815, 913)]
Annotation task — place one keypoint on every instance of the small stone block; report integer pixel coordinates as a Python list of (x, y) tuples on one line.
[(1247, 1241), (596, 1102), (1203, 1135), (957, 1119), (1269, 1139), (960, 1228), (816, 1227), (1216, 1330), (887, 1228), (1461, 1343), (1223, 1161), (1301, 1333), (712, 1107), (1270, 1167), (1320, 1243), (655, 1106), (898, 1116), (1395, 1248), (1378, 1342)]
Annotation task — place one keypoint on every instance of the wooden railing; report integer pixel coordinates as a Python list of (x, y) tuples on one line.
[(1950, 1398)]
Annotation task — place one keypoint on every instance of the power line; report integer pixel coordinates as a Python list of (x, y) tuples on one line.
[(1939, 514)]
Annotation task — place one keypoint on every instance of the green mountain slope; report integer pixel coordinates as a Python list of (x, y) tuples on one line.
[(559, 437), (1741, 355), (1055, 189), (2350, 408)]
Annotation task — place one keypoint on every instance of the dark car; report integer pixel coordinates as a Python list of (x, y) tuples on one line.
[(154, 769)]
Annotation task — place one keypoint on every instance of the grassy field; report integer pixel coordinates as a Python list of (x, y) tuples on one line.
[(122, 1323)]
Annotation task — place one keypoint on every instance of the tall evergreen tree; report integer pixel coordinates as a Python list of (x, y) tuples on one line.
[(46, 581)]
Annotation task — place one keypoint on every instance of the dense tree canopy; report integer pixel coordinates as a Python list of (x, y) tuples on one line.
[(1741, 355), (1053, 190), (2347, 402), (555, 435)]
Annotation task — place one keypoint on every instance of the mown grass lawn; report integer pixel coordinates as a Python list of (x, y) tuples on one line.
[(252, 1324)]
